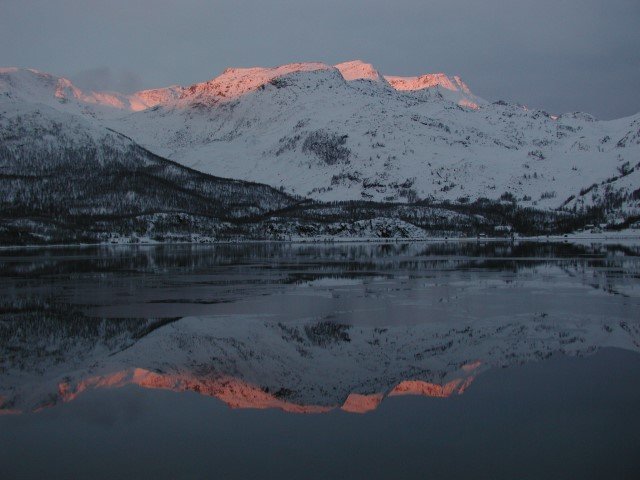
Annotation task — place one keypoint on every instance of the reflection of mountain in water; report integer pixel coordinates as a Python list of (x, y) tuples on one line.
[(311, 367), (240, 394), (387, 320)]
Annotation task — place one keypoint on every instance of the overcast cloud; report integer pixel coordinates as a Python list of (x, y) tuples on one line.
[(560, 55)]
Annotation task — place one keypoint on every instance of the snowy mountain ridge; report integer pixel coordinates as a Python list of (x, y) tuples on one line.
[(346, 132), (232, 83), (37, 87)]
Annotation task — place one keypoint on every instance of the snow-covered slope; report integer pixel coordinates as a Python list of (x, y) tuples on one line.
[(63, 175), (32, 86), (451, 88), (348, 132)]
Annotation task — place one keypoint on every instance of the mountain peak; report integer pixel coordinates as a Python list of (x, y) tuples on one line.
[(358, 70), (429, 80), (34, 84), (454, 88), (234, 82)]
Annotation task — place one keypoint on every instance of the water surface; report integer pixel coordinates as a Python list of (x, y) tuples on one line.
[(450, 360)]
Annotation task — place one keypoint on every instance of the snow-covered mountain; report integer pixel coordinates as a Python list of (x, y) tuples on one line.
[(64, 177), (32, 86), (346, 132)]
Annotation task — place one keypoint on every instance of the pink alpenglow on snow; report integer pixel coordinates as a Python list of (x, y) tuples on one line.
[(358, 70), (235, 82), (237, 393), (432, 80)]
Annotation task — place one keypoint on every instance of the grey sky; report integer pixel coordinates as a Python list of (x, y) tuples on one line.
[(560, 55)]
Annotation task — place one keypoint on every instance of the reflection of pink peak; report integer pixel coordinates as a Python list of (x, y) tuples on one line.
[(9, 411), (358, 403), (358, 70), (6, 410), (426, 389), (235, 393), (240, 394), (470, 367), (237, 81)]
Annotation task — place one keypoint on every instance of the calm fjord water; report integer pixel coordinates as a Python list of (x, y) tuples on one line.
[(439, 360)]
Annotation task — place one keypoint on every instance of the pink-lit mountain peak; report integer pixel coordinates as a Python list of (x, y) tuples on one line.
[(234, 82), (429, 80), (359, 70), (50, 89)]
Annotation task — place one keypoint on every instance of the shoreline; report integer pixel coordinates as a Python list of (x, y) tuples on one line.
[(568, 238)]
